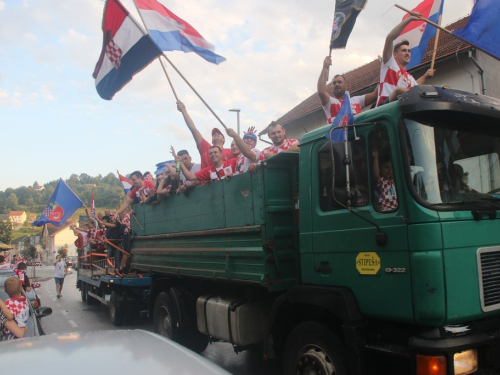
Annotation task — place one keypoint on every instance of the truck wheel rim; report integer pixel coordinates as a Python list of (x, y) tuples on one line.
[(314, 361), (165, 323)]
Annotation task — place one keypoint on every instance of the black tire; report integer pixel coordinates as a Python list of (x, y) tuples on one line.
[(165, 319), (83, 291), (194, 340), (116, 313), (313, 348)]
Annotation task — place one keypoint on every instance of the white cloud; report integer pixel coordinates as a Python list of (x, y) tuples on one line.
[(2, 6)]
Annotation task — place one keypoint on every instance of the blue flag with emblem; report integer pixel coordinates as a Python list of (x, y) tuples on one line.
[(61, 206)]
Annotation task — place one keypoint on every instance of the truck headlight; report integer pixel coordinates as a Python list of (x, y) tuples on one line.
[(465, 362)]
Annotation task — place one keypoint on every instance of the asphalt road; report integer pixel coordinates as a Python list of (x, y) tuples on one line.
[(70, 314)]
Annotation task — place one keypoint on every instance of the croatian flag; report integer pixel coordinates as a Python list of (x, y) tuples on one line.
[(126, 183), (171, 33), (419, 33), (126, 50), (61, 206), (344, 117)]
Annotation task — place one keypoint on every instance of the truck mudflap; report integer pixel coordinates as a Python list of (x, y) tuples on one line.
[(479, 338)]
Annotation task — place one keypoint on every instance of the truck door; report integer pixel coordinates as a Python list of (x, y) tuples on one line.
[(345, 252)]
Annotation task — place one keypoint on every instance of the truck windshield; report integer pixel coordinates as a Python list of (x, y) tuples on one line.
[(453, 164)]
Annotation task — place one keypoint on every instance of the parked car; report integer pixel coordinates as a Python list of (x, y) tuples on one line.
[(34, 304), (70, 262), (117, 352), (33, 262)]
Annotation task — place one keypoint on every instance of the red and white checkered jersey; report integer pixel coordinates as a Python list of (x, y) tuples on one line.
[(19, 308), (392, 76), (388, 199), (244, 162), (333, 106), (276, 150)]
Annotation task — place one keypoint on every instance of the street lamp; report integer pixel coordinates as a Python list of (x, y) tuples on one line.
[(238, 117)]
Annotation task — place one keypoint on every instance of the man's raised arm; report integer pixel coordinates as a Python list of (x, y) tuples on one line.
[(389, 40), (190, 124), (245, 150), (323, 94)]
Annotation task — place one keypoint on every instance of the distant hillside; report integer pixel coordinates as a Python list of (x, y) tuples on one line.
[(108, 192)]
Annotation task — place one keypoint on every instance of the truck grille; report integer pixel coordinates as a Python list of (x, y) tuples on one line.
[(489, 277)]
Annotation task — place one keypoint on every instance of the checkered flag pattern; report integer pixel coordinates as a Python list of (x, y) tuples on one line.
[(47, 211), (114, 53)]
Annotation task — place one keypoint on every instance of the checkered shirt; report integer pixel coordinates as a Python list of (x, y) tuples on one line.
[(388, 199)]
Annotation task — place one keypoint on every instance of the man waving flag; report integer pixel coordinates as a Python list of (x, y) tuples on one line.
[(419, 33)]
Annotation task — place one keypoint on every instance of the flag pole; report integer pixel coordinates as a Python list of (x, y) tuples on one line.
[(436, 38), (178, 72), (448, 32)]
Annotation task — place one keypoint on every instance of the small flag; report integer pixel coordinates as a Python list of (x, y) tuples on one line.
[(483, 28), (61, 206), (346, 12), (344, 117), (126, 50), (126, 183), (417, 33), (172, 33), (92, 205)]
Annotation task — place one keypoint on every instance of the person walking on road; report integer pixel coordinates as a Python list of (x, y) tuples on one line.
[(60, 272)]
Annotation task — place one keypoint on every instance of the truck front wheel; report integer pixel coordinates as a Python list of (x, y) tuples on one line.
[(165, 317), (312, 348)]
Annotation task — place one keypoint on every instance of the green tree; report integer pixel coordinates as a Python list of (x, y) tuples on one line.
[(12, 201), (63, 251), (29, 251), (5, 232)]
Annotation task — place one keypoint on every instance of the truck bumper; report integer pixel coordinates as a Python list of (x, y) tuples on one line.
[(483, 336)]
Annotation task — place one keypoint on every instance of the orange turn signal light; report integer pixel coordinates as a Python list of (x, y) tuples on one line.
[(427, 365)]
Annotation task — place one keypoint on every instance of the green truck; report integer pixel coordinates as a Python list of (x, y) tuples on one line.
[(375, 254)]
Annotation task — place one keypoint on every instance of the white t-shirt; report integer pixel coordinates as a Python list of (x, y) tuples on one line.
[(195, 168), (60, 267)]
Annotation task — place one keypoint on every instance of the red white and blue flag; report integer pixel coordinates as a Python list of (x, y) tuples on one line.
[(126, 50), (92, 205), (172, 33), (61, 206), (419, 33), (126, 183)]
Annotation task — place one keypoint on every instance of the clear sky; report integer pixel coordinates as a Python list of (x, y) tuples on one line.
[(53, 123)]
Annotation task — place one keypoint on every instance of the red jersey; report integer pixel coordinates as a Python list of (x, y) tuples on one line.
[(392, 76), (333, 106), (276, 150), (147, 190), (214, 174), (205, 157)]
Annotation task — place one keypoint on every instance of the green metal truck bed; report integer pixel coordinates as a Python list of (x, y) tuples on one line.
[(240, 230)]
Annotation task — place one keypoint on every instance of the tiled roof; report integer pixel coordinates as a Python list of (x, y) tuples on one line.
[(4, 216), (16, 213), (367, 76), (19, 240)]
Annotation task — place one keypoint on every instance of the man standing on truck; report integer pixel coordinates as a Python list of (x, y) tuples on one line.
[(142, 189), (192, 167), (331, 104), (277, 133), (202, 145), (394, 79), (218, 171)]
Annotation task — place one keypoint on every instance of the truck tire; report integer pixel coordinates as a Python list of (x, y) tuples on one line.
[(194, 340), (165, 319), (313, 348), (83, 291), (116, 313)]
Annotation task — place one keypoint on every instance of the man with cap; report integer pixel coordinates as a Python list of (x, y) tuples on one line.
[(202, 145), (249, 154)]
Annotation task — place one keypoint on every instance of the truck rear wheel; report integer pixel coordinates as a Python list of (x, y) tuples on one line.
[(165, 317), (313, 348), (116, 313), (90, 300)]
